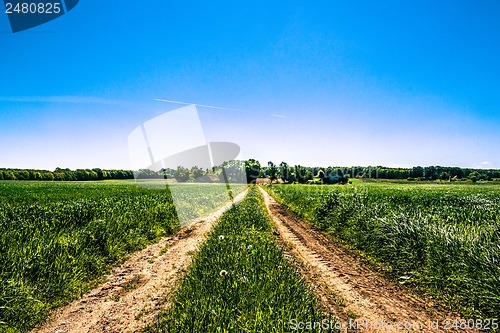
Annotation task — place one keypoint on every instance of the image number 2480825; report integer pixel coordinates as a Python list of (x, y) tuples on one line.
[(25, 14)]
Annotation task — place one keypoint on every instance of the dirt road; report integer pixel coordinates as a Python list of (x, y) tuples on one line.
[(134, 292), (347, 287)]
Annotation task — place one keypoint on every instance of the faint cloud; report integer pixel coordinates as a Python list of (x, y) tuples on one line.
[(485, 165), (60, 99), (279, 116), (205, 106)]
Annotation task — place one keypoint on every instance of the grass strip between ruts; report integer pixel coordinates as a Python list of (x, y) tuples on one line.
[(240, 280)]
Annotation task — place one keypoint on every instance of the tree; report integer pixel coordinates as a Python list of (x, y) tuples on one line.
[(284, 172), (252, 170), (321, 175), (47, 175), (475, 176), (8, 175), (197, 172), (92, 175), (99, 172), (22, 175), (234, 171), (301, 174), (273, 171), (417, 171), (181, 174)]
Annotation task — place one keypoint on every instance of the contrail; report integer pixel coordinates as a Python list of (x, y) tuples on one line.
[(206, 106), (279, 115)]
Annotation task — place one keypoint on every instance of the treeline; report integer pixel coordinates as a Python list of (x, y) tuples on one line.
[(251, 170), (64, 174), (232, 171), (435, 173), (295, 174), (301, 174), (428, 173)]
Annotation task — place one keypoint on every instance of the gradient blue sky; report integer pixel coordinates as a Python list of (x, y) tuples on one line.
[(394, 83)]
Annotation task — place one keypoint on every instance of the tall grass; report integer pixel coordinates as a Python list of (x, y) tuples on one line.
[(442, 239), (57, 239), (240, 280)]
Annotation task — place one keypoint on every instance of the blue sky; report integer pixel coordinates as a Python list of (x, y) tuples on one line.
[(353, 83)]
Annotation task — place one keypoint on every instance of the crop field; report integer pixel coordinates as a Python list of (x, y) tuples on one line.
[(444, 239), (58, 238), (240, 280)]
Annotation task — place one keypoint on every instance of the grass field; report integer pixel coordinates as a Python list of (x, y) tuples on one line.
[(58, 238), (444, 239), (240, 281)]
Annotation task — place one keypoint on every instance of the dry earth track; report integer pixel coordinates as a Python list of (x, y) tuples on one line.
[(346, 286)]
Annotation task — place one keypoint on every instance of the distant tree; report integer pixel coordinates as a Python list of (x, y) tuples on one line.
[(93, 175), (430, 172), (8, 175), (99, 172), (58, 176), (47, 175), (234, 171), (181, 174), (417, 171), (284, 172), (475, 176), (273, 171), (444, 176), (252, 170), (1, 175), (291, 177), (196, 172), (80, 174), (309, 175), (301, 174), (321, 174), (22, 175), (169, 173)]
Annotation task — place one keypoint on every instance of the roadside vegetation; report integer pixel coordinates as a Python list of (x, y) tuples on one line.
[(240, 280), (58, 238), (439, 238)]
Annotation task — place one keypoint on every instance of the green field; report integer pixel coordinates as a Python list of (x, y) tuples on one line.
[(240, 281), (58, 238), (443, 239)]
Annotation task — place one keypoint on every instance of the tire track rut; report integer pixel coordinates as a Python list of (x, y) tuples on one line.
[(349, 288), (134, 292)]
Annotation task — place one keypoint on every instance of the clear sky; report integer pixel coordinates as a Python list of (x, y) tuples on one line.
[(341, 83)]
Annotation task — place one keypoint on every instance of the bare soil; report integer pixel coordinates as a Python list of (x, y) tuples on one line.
[(349, 288), (134, 292)]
